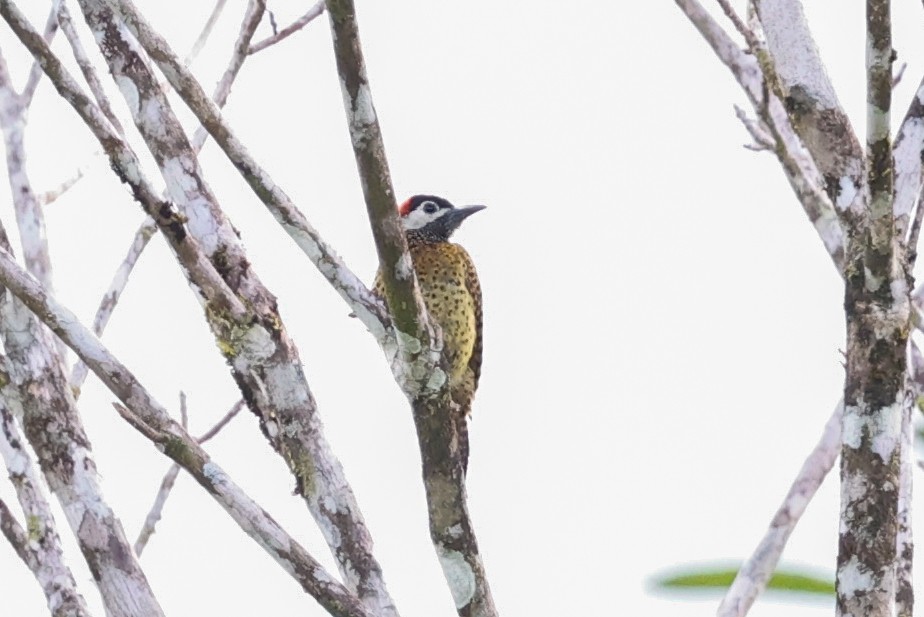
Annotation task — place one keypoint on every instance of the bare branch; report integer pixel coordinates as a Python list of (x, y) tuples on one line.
[(878, 126), (763, 140), (29, 215), (111, 297), (65, 456), (30, 218), (35, 72), (184, 413), (877, 306), (803, 175), (263, 358), (252, 18), (753, 43), (754, 574), (350, 287), (205, 33), (157, 509), (52, 195), (16, 536), (402, 292), (86, 67), (148, 227), (915, 232), (199, 270), (797, 71), (166, 485), (904, 550), (89, 73), (909, 170), (451, 529), (41, 548), (297, 25), (899, 74), (150, 418), (209, 434)]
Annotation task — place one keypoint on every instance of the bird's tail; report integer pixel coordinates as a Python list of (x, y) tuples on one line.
[(462, 436)]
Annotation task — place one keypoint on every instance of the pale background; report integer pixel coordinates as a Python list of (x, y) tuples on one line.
[(662, 325)]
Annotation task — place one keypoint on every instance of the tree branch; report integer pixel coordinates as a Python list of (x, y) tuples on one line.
[(877, 306), (205, 33), (149, 227), (86, 67), (166, 485), (54, 429), (297, 25), (40, 548), (754, 574), (418, 370), (878, 129), (264, 361), (150, 418), (252, 18), (198, 269), (909, 170), (29, 216), (35, 72), (817, 117), (800, 169), (402, 293), (111, 298), (360, 300)]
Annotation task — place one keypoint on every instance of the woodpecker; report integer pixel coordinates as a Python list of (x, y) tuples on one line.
[(451, 293)]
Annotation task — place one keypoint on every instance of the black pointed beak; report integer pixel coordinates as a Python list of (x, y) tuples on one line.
[(455, 217)]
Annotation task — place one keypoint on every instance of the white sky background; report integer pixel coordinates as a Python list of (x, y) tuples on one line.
[(662, 325)]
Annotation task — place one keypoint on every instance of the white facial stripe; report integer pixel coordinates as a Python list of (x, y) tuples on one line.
[(417, 218)]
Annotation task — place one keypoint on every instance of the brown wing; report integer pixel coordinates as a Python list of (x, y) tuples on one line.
[(474, 288)]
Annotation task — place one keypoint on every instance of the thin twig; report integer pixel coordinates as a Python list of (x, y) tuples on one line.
[(35, 72), (205, 33), (762, 138), (111, 298), (252, 18), (166, 485), (800, 168), (157, 509), (52, 195), (915, 232), (897, 79), (184, 413), (748, 34), (754, 574), (297, 25), (235, 409), (909, 170), (86, 66)]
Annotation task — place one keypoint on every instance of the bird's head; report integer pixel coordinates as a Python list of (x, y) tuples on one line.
[(432, 219)]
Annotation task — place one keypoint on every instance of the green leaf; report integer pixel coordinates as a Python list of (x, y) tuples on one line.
[(698, 577)]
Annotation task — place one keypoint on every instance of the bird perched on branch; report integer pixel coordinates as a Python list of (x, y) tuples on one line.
[(451, 293)]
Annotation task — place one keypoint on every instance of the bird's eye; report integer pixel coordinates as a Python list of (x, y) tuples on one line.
[(429, 207)]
